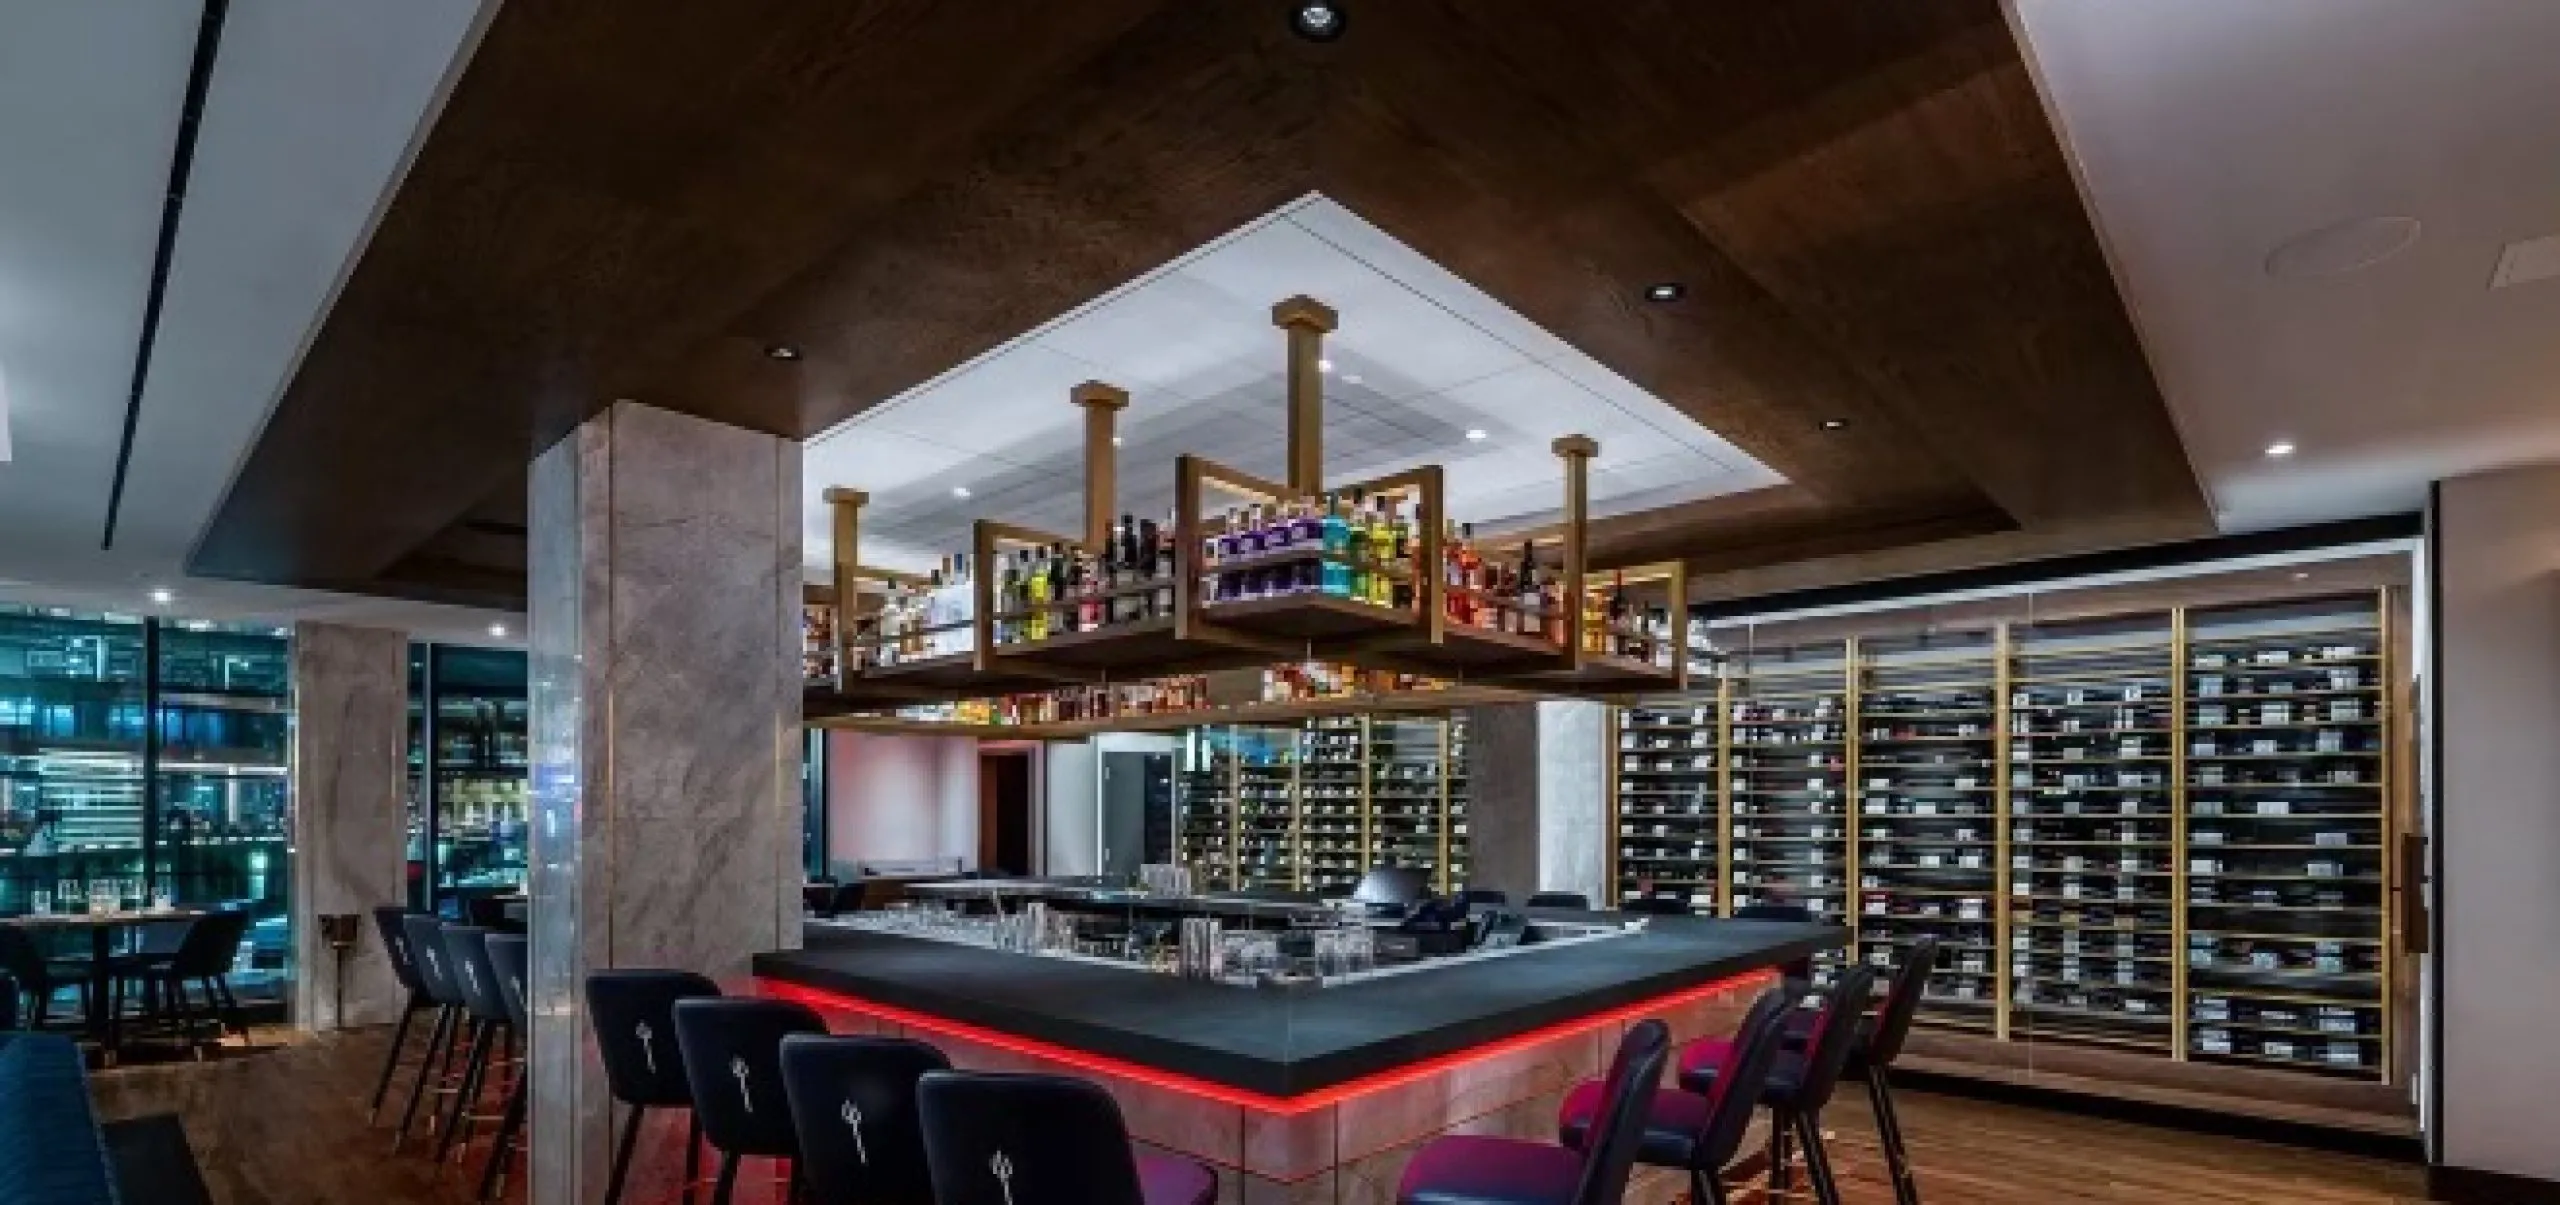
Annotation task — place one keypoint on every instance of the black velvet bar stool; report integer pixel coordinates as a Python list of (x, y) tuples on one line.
[(492, 1029), (1801, 1084), (853, 1101), (1878, 1043), (634, 1014), (733, 1061), (509, 955), (414, 998), (1471, 1169), (1043, 1140), (436, 975), (1699, 1134)]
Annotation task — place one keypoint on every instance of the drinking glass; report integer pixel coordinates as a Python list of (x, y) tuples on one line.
[(40, 901)]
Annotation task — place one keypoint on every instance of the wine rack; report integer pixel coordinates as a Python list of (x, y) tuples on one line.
[(2165, 832), (1788, 756), (1928, 755), (2286, 836), (1312, 807), (1666, 778), (2092, 842)]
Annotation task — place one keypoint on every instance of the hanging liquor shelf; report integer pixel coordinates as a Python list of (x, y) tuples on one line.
[(1249, 571)]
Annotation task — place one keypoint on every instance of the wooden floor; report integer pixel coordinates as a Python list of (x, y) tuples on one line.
[(267, 1122)]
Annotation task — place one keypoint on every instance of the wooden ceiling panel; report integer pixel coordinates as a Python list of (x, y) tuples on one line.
[(636, 199)]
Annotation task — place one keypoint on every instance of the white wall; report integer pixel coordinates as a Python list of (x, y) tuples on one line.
[(2498, 820), (1071, 809), (901, 797)]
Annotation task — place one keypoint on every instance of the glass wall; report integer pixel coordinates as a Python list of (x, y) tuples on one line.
[(150, 756), (468, 726)]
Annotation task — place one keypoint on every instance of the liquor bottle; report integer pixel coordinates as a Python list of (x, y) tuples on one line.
[(1336, 579), (1621, 618), (1088, 591), (1471, 576), (1280, 527), (1355, 537), (1453, 576), (1381, 556), (1525, 594), (1036, 592), (963, 637), (1309, 525), (1400, 552), (1001, 591), (1160, 539)]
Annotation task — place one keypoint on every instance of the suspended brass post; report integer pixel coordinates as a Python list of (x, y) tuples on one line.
[(1307, 322), (1102, 406), (847, 507), (1577, 451)]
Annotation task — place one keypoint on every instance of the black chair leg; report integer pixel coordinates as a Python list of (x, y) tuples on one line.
[(439, 1049), (622, 1157), (728, 1179), (472, 1068), (502, 1147), (219, 988), (1897, 1158), (1705, 1188), (390, 1062), (1781, 1157), (1817, 1161)]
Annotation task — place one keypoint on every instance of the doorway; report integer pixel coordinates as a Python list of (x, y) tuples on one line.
[(1004, 811)]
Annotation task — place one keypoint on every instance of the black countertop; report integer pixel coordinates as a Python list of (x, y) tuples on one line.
[(1288, 1043)]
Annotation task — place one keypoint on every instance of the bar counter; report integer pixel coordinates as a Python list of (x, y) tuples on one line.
[(1276, 1048)]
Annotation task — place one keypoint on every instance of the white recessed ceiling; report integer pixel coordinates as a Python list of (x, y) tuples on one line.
[(312, 109), (2209, 133), (1422, 358)]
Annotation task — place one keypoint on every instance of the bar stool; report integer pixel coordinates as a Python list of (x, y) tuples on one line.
[(1700, 1134), (509, 954), (1800, 1084), (1561, 899), (484, 1006), (634, 1014), (1878, 1044), (1470, 1169), (395, 945), (733, 1061), (436, 975), (853, 1101), (1043, 1140)]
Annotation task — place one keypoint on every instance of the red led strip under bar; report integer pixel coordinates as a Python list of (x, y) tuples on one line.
[(1240, 1097)]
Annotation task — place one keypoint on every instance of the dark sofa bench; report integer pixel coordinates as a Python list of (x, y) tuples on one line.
[(51, 1151)]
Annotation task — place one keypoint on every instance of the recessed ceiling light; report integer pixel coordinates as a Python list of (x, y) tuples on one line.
[(1115, 441), (162, 596), (959, 491), (498, 630), (2302, 577), (1834, 424), (2341, 247), (1668, 290), (782, 351), (1324, 366), (2280, 448), (1317, 20), (1477, 435)]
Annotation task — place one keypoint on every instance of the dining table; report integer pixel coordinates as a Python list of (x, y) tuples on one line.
[(101, 928)]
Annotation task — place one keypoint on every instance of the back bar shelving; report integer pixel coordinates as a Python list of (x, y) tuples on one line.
[(2093, 840), (1313, 805), (1333, 793), (2288, 827), (1266, 814), (1408, 809), (1453, 833), (1788, 765), (1666, 780), (1929, 863)]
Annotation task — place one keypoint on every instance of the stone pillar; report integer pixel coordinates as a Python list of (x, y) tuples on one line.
[(350, 827), (1537, 812), (665, 590)]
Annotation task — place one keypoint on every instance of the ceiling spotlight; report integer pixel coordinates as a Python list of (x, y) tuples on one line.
[(498, 630), (1317, 20), (1324, 366), (1115, 441), (959, 491), (2302, 577), (2281, 447), (1477, 435), (162, 596), (1669, 290), (782, 351), (1834, 424)]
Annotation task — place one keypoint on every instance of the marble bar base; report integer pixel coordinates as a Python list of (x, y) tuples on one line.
[(1345, 1147)]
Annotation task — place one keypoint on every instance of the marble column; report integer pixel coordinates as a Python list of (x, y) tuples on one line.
[(350, 785), (665, 639), (1537, 812)]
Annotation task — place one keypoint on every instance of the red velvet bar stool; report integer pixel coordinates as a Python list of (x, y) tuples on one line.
[(1699, 1134), (1470, 1169), (1878, 1044), (1801, 1084)]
